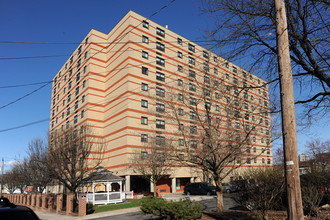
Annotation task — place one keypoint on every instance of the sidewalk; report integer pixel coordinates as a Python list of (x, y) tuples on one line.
[(54, 216)]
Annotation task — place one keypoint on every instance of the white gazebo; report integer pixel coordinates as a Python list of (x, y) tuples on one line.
[(102, 187)]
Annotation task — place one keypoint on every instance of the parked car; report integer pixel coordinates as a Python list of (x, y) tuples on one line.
[(10, 211), (199, 189), (229, 188)]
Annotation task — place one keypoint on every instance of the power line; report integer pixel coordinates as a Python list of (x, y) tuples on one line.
[(26, 95), (23, 85), (25, 125)]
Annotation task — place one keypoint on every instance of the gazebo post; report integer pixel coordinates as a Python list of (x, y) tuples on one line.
[(93, 193), (108, 197), (121, 190)]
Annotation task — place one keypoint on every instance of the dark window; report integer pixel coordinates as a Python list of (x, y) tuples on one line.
[(192, 87), (145, 70), (160, 140), (160, 76), (145, 39), (160, 107), (160, 92), (191, 47), (192, 74), (160, 61), (160, 124), (144, 120), (191, 60), (160, 32), (145, 24), (144, 138), (144, 103), (145, 55), (180, 54), (180, 41), (205, 54), (144, 87), (160, 46)]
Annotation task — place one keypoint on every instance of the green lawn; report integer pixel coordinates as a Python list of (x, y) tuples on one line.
[(128, 204)]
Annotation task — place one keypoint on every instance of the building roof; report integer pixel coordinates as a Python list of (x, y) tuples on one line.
[(102, 175)]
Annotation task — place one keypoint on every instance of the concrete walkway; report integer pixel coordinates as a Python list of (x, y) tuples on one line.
[(169, 196), (54, 216)]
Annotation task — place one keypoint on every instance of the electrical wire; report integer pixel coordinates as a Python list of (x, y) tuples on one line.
[(25, 125)]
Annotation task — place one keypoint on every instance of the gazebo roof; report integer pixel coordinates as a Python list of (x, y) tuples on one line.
[(102, 175)]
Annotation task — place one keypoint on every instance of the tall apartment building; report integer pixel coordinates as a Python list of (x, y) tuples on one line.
[(116, 83)]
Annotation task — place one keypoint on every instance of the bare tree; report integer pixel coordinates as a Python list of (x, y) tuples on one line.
[(36, 165), (249, 28), (154, 161), (214, 137), (73, 155), (319, 154)]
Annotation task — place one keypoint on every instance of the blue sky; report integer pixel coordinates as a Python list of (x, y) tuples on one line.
[(70, 21)]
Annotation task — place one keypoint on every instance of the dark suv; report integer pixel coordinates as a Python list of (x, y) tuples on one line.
[(199, 189), (10, 211)]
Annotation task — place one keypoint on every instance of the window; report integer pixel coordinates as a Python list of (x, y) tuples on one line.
[(76, 105), (244, 84), (267, 131), (180, 97), (246, 116), (160, 76), (217, 108), (258, 81), (160, 140), (160, 107), (145, 55), (160, 124), (179, 54), (181, 142), (85, 69), (180, 41), (193, 115), (217, 95), (160, 46), (206, 79), (192, 74), (144, 103), (144, 120), (244, 74), (160, 32), (83, 99), (215, 59), (237, 125), (145, 70), (145, 39), (84, 83), (262, 140), (193, 129), (205, 54), (228, 99), (67, 124), (144, 138), (265, 103), (263, 160), (236, 102), (248, 160), (206, 92), (193, 143), (268, 161), (191, 60), (251, 97), (82, 113), (192, 101), (268, 151), (180, 68), (206, 67), (192, 87), (86, 41), (180, 82), (208, 106), (144, 87), (78, 63), (160, 92), (144, 154), (69, 85), (191, 47), (235, 91), (69, 98), (85, 55), (216, 71), (180, 111), (68, 111), (234, 69), (71, 60), (248, 150), (75, 119), (266, 122), (145, 24), (160, 61), (235, 80), (227, 76), (77, 91)]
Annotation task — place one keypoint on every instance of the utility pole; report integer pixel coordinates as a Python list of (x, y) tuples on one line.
[(295, 210), (3, 161)]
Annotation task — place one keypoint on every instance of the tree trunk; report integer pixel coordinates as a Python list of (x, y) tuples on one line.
[(220, 206), (155, 192)]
